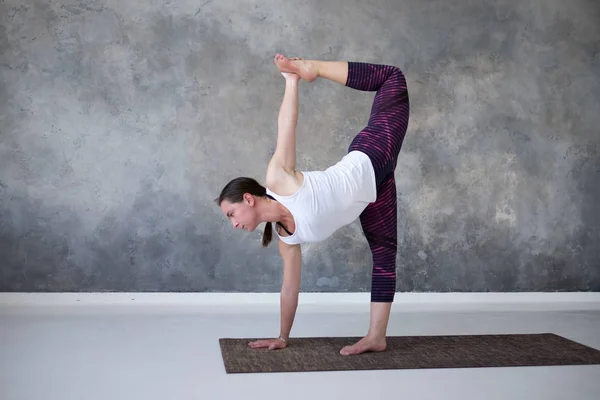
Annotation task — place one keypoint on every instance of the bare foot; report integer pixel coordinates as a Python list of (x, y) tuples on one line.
[(364, 345), (305, 69)]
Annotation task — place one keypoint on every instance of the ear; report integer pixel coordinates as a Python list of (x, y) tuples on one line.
[(249, 199)]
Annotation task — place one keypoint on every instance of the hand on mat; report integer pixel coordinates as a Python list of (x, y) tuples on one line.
[(271, 344)]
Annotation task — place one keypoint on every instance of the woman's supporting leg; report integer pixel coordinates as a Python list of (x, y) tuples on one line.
[(379, 223), (380, 226)]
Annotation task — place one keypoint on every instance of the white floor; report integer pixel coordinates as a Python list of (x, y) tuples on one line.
[(171, 351)]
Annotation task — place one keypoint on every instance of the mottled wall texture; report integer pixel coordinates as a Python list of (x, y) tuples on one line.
[(120, 121)]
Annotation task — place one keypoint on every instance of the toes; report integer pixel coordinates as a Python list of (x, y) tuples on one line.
[(279, 58), (350, 350)]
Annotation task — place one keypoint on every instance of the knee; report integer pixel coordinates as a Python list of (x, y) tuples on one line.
[(384, 299), (398, 76), (379, 296), (395, 70)]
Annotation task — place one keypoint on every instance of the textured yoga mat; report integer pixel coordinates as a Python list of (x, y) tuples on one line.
[(409, 352)]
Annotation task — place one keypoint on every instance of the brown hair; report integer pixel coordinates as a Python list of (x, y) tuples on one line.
[(234, 193)]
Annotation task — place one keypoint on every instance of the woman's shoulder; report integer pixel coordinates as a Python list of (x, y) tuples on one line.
[(284, 183)]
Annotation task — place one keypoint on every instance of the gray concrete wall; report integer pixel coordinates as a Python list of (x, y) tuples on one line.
[(121, 121)]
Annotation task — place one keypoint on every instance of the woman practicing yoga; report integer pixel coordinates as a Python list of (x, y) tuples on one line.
[(309, 206)]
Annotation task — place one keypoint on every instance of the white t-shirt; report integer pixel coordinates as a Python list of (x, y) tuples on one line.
[(330, 199)]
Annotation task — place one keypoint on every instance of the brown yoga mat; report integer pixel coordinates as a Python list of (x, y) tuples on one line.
[(409, 352)]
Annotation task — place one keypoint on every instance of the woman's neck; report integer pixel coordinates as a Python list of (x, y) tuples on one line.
[(273, 211)]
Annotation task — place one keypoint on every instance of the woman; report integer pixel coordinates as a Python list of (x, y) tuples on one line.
[(309, 206)]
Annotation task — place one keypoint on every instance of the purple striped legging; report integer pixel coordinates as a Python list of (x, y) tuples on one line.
[(381, 140)]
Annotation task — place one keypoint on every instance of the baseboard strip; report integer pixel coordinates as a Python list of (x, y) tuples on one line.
[(408, 301)]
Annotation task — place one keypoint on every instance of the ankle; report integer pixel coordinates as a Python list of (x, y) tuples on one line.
[(376, 336), (315, 64)]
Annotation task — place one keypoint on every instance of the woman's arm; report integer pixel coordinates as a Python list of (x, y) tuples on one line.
[(290, 287), (283, 161)]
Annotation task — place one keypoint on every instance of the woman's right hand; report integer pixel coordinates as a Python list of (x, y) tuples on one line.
[(271, 344), (291, 76)]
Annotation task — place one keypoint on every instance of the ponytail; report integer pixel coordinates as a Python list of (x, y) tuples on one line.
[(268, 234)]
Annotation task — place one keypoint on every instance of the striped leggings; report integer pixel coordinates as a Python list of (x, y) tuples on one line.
[(381, 140)]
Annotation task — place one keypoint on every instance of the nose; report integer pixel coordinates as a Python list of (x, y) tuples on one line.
[(235, 224)]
